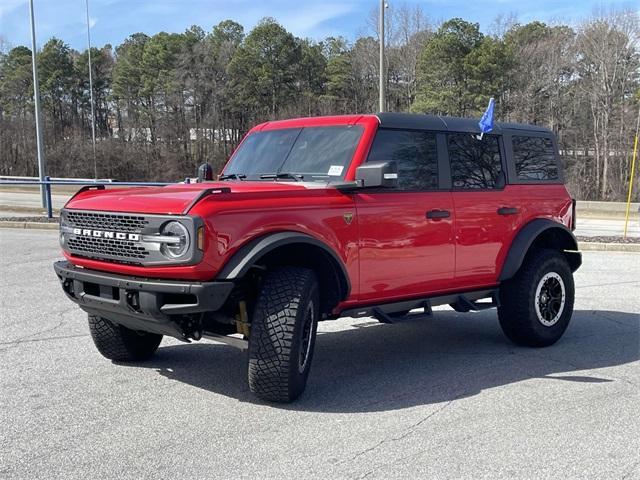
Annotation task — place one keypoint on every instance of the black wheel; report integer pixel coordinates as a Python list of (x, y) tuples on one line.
[(536, 305), (283, 333), (116, 342)]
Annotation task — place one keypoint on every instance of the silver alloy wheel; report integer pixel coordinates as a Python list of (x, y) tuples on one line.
[(307, 334), (550, 298)]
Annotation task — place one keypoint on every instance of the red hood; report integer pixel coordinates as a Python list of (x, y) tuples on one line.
[(172, 199)]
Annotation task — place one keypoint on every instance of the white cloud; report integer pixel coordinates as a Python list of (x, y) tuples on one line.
[(303, 21)]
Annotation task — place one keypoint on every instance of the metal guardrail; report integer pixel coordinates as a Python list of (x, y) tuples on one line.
[(79, 182), (55, 179)]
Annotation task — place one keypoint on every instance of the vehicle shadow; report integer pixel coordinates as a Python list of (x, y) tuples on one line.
[(374, 367)]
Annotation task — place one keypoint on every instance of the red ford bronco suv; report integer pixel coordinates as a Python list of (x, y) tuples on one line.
[(318, 218)]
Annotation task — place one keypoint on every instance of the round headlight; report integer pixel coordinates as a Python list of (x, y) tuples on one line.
[(180, 245)]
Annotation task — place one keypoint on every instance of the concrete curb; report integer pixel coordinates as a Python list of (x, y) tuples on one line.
[(20, 208), (584, 246), (31, 225), (608, 247)]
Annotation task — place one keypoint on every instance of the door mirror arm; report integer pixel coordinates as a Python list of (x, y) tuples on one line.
[(348, 186)]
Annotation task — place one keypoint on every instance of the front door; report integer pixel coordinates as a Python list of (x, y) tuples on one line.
[(406, 234)]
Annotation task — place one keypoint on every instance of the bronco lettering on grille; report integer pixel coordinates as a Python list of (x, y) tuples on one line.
[(86, 232)]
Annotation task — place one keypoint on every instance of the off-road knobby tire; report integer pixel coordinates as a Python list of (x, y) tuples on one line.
[(119, 343), (517, 313), (277, 332)]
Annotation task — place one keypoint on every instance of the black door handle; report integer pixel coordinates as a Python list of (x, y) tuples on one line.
[(507, 211), (438, 214)]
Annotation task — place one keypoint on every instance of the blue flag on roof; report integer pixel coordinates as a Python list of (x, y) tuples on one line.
[(486, 122)]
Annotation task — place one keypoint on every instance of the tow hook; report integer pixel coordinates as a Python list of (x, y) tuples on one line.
[(133, 301), (67, 285)]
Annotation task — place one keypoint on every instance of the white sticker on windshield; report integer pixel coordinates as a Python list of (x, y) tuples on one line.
[(335, 170)]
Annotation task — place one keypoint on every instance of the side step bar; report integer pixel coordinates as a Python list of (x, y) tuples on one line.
[(383, 317), (462, 302), (236, 342)]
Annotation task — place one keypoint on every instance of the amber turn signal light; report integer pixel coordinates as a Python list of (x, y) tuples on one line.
[(200, 238)]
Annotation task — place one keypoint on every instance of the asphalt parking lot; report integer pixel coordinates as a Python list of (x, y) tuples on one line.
[(444, 398)]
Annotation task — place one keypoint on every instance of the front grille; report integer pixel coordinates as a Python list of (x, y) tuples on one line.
[(99, 247), (107, 221), (89, 246), (124, 237)]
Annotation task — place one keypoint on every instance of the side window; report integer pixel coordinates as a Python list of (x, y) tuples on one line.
[(415, 153), (535, 158), (475, 164)]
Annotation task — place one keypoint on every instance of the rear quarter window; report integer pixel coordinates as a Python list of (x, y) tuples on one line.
[(534, 158)]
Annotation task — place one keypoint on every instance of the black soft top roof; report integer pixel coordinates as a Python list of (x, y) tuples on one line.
[(449, 124)]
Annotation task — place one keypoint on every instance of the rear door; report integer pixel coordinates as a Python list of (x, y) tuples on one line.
[(487, 210), (406, 234), (536, 174)]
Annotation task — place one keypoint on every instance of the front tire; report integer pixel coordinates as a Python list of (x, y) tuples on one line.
[(119, 343), (283, 334), (537, 303)]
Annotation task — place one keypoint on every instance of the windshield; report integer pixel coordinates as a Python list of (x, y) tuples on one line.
[(313, 153)]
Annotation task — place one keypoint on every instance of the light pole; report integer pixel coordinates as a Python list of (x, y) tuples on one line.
[(381, 89), (93, 116), (36, 100)]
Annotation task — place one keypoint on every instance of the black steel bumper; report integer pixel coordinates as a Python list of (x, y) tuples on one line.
[(138, 303)]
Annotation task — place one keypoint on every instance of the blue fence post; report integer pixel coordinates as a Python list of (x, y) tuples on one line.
[(47, 189)]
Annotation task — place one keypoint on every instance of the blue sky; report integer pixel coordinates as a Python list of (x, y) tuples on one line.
[(114, 20)]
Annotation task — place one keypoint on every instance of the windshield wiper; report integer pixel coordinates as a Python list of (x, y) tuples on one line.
[(294, 176), (233, 176)]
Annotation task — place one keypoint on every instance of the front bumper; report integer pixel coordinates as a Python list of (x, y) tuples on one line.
[(140, 304)]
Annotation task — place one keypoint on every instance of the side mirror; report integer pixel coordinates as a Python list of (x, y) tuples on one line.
[(205, 172), (378, 174)]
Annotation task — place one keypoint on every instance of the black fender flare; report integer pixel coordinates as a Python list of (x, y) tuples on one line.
[(525, 238), (245, 258)]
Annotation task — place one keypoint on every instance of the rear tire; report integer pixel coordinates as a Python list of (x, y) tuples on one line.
[(537, 303), (119, 343), (283, 334)]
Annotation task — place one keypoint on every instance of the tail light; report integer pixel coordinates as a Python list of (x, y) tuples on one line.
[(573, 214)]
